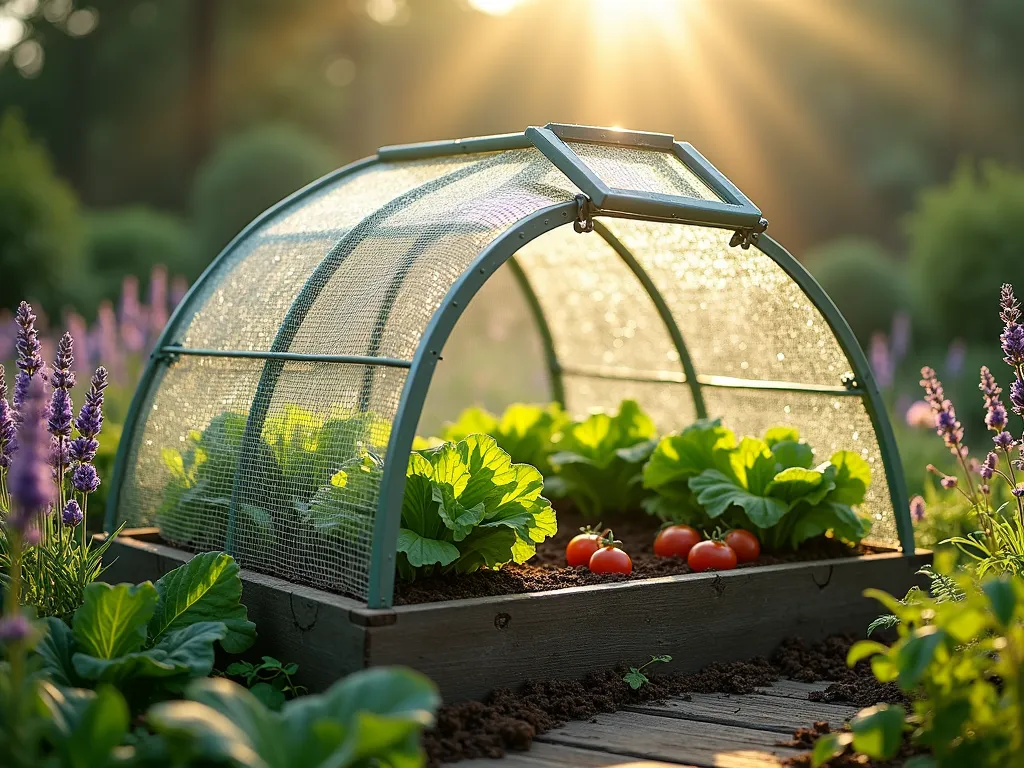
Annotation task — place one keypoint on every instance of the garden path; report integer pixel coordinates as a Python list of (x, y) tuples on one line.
[(706, 731)]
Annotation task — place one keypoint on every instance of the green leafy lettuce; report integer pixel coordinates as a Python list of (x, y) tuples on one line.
[(150, 637), (467, 506), (526, 432), (600, 461), (299, 454), (373, 717), (705, 477)]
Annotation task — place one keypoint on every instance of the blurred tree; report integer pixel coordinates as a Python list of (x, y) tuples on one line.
[(246, 175), (132, 241), (40, 227), (864, 281), (965, 241)]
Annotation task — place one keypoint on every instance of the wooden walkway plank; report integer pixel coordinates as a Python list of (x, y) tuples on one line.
[(561, 756), (767, 713), (791, 689), (650, 737)]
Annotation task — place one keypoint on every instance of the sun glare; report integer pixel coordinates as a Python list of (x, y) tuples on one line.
[(494, 7)]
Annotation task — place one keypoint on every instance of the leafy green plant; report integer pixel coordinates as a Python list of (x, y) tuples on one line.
[(941, 587), (527, 432), (704, 477), (373, 717), (270, 681), (636, 677), (150, 638), (962, 660), (467, 506), (300, 457), (600, 461)]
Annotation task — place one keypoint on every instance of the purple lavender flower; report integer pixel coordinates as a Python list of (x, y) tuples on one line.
[(85, 479), (132, 322), (900, 337), (1004, 441), (29, 481), (1009, 307), (917, 509), (1012, 340), (179, 287), (1018, 491), (949, 482), (60, 414), (80, 333), (63, 377), (90, 417), (15, 628), (27, 345), (881, 360), (72, 514), (988, 467), (946, 424), (1017, 397), (107, 345), (83, 449), (8, 427), (157, 299)]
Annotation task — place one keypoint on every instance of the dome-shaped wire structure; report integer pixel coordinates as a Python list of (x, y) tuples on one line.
[(313, 337)]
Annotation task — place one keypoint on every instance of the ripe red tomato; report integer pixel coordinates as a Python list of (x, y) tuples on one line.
[(611, 559), (676, 541), (581, 548), (711, 556), (744, 544)]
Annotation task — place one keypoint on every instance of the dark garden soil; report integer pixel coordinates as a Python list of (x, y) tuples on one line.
[(509, 720), (547, 569)]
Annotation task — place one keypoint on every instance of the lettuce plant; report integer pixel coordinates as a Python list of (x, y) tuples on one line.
[(704, 476), (150, 638), (467, 506), (373, 717), (298, 456), (600, 461), (527, 432)]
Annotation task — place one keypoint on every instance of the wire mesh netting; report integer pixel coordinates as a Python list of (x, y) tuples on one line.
[(642, 170), (281, 460)]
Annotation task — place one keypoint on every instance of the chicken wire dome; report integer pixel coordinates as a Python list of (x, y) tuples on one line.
[(313, 337)]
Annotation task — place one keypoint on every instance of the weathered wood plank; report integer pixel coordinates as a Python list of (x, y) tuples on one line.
[(767, 713), (792, 689), (472, 646), (648, 737), (314, 629), (560, 756)]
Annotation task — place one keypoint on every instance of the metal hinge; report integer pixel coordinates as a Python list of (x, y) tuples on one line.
[(584, 214), (744, 238)]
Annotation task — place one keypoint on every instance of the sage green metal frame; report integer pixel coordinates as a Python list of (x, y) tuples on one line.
[(735, 212)]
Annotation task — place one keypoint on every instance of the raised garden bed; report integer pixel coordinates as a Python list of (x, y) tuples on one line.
[(470, 646)]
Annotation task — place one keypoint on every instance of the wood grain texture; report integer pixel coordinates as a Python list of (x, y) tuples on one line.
[(649, 737), (791, 689), (472, 646), (766, 713), (561, 756)]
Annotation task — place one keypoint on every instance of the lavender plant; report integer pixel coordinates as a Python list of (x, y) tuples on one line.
[(54, 570), (998, 544)]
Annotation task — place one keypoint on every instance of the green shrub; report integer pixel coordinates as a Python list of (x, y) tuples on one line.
[(248, 174), (131, 241), (964, 245), (40, 228), (864, 281)]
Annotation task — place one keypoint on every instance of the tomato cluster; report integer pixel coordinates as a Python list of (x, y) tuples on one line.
[(602, 554), (714, 554), (599, 552)]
